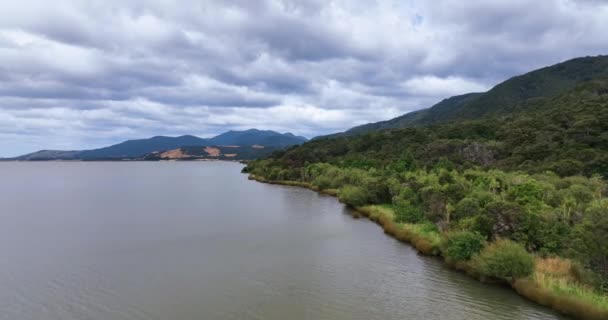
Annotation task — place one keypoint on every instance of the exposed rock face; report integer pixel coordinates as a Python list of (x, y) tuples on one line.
[(212, 151), (173, 154)]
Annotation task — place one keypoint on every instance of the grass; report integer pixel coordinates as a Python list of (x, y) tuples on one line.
[(555, 284), (331, 192), (281, 182), (559, 276), (424, 237)]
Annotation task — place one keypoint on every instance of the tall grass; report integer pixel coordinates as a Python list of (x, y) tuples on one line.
[(424, 237), (280, 182), (555, 282)]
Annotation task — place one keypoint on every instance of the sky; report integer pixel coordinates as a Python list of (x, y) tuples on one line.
[(86, 74)]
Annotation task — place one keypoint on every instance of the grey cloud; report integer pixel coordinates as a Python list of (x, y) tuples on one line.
[(82, 74)]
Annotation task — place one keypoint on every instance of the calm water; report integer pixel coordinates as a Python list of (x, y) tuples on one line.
[(172, 241)]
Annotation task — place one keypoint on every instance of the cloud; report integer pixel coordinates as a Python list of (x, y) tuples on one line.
[(432, 86), (83, 74)]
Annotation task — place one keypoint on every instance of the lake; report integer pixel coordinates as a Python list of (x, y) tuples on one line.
[(197, 240)]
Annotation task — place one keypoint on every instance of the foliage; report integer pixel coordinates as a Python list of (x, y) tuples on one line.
[(407, 213), (504, 259), (353, 195), (590, 240), (462, 245)]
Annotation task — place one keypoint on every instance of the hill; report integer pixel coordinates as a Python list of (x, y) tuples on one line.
[(521, 93), (567, 134), (135, 148), (255, 136), (132, 149)]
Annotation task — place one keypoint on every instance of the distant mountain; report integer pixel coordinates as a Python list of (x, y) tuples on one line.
[(47, 155), (134, 148), (521, 93), (255, 136), (138, 148)]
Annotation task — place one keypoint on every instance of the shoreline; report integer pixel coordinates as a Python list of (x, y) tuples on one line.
[(429, 246)]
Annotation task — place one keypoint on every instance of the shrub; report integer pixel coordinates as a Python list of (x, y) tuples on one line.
[(323, 182), (462, 245), (407, 213), (353, 196), (504, 259)]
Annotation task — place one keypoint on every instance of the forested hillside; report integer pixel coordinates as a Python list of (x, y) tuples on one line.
[(522, 93), (513, 196), (569, 135)]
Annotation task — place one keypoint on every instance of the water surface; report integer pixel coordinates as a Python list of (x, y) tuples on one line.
[(197, 240)]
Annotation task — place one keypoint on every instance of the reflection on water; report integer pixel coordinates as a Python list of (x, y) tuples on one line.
[(194, 240)]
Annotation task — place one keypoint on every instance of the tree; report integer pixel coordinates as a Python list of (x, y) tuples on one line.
[(507, 218), (589, 241), (353, 196), (462, 245), (467, 207)]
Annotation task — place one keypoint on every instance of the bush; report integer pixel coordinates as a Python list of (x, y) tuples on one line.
[(407, 213), (323, 182), (462, 245), (504, 259), (353, 196)]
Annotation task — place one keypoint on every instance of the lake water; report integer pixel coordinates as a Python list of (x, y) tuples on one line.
[(197, 240)]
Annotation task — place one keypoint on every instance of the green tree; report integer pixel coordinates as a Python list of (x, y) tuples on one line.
[(504, 259), (589, 241), (461, 245), (354, 196)]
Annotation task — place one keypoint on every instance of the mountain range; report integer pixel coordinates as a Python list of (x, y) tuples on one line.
[(246, 144)]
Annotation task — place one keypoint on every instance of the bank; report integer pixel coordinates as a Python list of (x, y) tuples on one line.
[(553, 283)]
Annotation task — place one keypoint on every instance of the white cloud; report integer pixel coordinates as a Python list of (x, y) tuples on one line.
[(433, 86), (81, 74)]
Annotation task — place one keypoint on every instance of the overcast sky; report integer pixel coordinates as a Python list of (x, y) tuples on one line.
[(84, 74)]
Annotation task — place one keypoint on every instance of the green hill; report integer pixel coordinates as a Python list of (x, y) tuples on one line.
[(522, 93), (567, 134)]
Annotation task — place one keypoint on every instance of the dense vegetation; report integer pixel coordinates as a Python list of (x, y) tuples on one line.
[(518, 197), (568, 135)]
